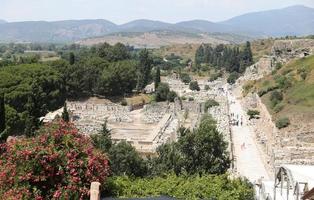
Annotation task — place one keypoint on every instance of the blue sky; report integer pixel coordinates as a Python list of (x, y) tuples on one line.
[(121, 11)]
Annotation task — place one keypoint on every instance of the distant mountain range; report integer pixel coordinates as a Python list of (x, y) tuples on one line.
[(295, 20)]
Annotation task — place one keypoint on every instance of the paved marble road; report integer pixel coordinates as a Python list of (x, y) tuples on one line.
[(248, 158)]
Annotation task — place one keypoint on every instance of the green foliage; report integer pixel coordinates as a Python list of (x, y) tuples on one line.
[(278, 107), (210, 103), (162, 92), (65, 114), (253, 114), (233, 78), (185, 78), (275, 98), (119, 78), (30, 90), (231, 58), (206, 87), (194, 86), (144, 69), (183, 187), (264, 91), (102, 140), (125, 160), (2, 114), (283, 82), (282, 122), (157, 77), (115, 53), (191, 99), (215, 76), (71, 58), (171, 96), (201, 151)]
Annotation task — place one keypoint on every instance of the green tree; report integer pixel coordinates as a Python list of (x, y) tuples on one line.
[(194, 86), (157, 78), (33, 111), (144, 69), (247, 54), (2, 113), (65, 114), (162, 92), (169, 159), (119, 78), (102, 140), (125, 160), (205, 150), (71, 58)]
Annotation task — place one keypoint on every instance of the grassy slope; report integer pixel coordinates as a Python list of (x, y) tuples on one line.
[(299, 98), (261, 48)]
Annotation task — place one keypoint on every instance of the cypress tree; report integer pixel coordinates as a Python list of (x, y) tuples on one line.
[(65, 114), (157, 78), (72, 58), (2, 113)]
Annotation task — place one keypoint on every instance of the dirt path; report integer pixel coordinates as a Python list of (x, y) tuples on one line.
[(248, 158)]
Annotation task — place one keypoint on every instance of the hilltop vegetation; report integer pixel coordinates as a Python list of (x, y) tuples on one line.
[(288, 91)]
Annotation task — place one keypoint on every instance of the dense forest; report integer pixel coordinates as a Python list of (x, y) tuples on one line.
[(231, 59), (31, 90)]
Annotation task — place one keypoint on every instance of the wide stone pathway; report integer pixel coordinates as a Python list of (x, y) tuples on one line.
[(248, 158)]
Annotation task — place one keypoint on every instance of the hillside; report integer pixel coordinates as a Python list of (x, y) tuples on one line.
[(60, 31), (156, 39), (295, 20), (288, 92)]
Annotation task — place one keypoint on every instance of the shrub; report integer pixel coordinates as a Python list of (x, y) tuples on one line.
[(283, 82), (253, 114), (210, 103), (275, 98), (215, 76), (124, 102), (264, 91), (278, 66), (185, 78), (194, 86), (206, 87), (191, 99), (171, 96), (233, 78), (59, 163), (278, 107), (282, 122)]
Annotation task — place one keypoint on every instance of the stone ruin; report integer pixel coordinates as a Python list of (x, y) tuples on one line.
[(279, 147), (285, 50)]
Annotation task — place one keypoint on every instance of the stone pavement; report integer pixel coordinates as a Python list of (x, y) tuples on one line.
[(248, 159)]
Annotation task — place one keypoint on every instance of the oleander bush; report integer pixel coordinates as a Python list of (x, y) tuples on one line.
[(59, 163)]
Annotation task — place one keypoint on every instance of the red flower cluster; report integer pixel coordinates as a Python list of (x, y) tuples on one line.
[(60, 163)]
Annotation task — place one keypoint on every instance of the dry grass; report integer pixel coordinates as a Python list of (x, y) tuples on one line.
[(138, 99)]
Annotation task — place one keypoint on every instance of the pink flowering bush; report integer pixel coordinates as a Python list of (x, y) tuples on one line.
[(59, 163)]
